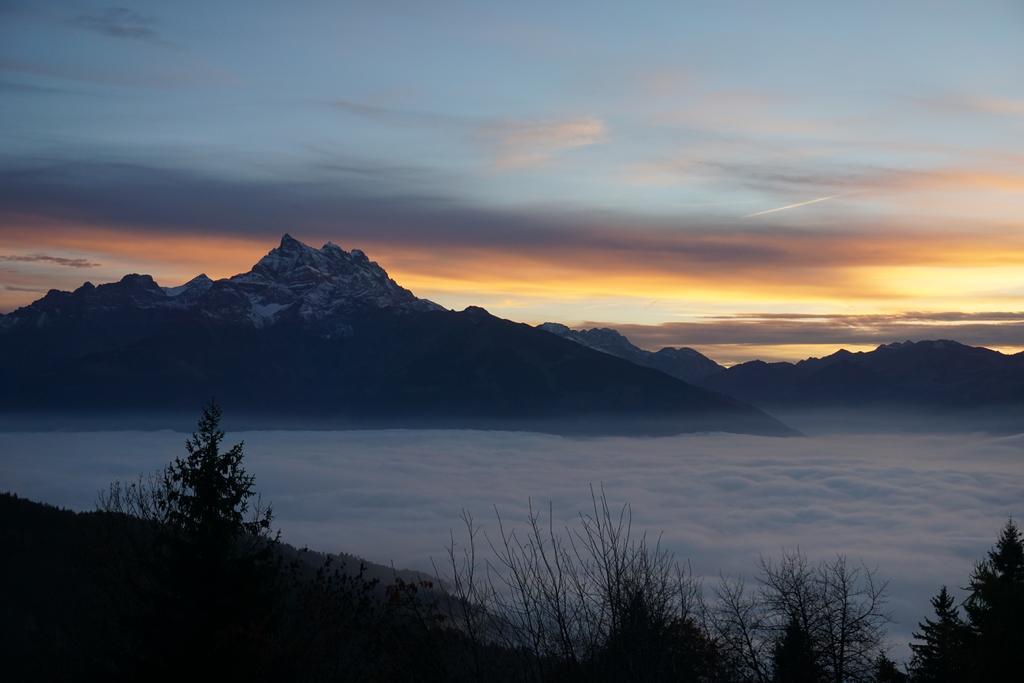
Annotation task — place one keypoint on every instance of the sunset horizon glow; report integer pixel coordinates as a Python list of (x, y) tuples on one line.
[(749, 181)]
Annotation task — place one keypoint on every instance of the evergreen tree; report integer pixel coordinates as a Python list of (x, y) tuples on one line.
[(218, 572), (793, 656), (206, 497), (995, 609), (886, 671), (940, 657)]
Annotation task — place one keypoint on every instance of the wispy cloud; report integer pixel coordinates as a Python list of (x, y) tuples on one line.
[(512, 143), (46, 258), (993, 329), (522, 144), (977, 104), (122, 22), (125, 75), (402, 116), (433, 242)]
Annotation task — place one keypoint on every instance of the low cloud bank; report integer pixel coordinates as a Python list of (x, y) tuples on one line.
[(921, 508)]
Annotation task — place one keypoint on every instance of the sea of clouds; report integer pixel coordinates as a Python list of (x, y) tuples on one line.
[(920, 508)]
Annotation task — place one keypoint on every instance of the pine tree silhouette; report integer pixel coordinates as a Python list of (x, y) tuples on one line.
[(886, 670), (995, 609), (793, 656), (218, 568), (940, 657)]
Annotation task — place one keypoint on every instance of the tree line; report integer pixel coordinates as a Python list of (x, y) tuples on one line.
[(182, 575)]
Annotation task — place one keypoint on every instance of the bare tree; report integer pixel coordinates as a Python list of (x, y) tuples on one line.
[(591, 600), (741, 627), (841, 608)]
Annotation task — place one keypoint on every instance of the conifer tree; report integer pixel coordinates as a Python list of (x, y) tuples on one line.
[(940, 656), (793, 656), (995, 609), (218, 574), (886, 670)]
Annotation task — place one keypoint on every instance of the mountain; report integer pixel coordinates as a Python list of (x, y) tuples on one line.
[(323, 337), (682, 363), (933, 375), (904, 385)]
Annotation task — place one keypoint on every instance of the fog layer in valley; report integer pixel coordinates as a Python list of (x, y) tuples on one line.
[(922, 508)]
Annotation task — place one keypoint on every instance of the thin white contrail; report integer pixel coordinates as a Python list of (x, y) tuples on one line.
[(793, 206)]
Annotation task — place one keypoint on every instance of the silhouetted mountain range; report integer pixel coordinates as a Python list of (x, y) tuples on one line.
[(939, 374), (324, 336), (941, 377), (683, 363)]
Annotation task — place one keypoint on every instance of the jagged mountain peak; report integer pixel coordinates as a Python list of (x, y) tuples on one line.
[(682, 363), (293, 281), (194, 287), (293, 257)]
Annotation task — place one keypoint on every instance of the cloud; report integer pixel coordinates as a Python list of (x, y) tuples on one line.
[(397, 115), (376, 206), (795, 177), (521, 144), (922, 508), (125, 75), (513, 143), (123, 23), (787, 207), (46, 258), (30, 89), (438, 243), (995, 329), (990, 105)]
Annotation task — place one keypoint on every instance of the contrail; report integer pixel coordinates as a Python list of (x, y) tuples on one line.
[(793, 206)]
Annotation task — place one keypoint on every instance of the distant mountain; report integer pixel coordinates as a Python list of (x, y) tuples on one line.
[(324, 337), (682, 363), (972, 386), (939, 374)]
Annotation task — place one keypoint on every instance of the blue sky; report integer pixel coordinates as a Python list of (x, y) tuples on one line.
[(455, 141)]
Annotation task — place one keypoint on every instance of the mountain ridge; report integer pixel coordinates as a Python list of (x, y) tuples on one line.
[(682, 363), (932, 383), (326, 335)]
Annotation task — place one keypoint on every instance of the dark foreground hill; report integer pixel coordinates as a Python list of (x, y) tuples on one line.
[(323, 337)]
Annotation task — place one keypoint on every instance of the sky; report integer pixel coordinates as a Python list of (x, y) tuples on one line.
[(757, 180)]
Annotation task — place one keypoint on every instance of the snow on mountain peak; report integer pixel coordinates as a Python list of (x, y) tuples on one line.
[(197, 285), (326, 284), (326, 287)]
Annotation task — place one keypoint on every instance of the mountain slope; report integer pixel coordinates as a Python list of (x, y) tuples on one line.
[(938, 374), (682, 363), (325, 337)]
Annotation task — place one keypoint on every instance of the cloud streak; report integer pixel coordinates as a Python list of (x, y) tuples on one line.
[(46, 258), (372, 209), (122, 23), (514, 144), (524, 144), (537, 262), (995, 329), (792, 206)]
